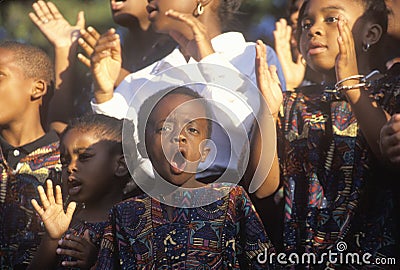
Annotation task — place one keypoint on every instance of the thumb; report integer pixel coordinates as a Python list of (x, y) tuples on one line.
[(80, 20), (70, 210), (86, 235)]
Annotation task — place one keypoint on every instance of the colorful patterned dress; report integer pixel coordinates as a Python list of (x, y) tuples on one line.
[(335, 189), (227, 234), (21, 229)]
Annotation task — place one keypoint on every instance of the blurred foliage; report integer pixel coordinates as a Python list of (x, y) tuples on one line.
[(15, 23)]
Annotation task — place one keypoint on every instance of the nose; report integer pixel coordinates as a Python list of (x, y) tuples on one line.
[(71, 167), (179, 138), (315, 30)]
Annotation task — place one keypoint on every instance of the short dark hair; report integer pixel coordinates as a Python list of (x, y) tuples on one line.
[(34, 61), (150, 103), (36, 64), (104, 127)]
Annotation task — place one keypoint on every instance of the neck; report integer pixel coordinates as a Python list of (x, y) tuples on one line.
[(21, 132)]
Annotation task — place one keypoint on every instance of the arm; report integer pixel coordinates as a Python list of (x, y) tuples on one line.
[(370, 116), (265, 180), (63, 37), (56, 223)]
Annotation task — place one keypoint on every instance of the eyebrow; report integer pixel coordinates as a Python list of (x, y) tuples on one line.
[(333, 8), (81, 149)]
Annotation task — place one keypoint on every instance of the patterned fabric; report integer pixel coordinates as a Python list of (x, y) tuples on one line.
[(20, 230), (328, 169), (96, 231), (227, 234)]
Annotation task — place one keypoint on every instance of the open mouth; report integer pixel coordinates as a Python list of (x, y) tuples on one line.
[(178, 162), (74, 187), (152, 11), (117, 4)]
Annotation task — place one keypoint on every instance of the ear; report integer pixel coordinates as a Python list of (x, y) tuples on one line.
[(39, 89), (373, 33), (204, 151), (121, 169)]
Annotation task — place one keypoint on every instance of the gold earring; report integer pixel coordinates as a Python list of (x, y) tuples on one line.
[(199, 10)]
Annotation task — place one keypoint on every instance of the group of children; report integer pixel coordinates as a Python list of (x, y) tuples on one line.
[(335, 156)]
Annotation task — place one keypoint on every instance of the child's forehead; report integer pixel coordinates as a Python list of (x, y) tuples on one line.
[(179, 102)]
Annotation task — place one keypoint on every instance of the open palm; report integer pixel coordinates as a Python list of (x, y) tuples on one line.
[(52, 212)]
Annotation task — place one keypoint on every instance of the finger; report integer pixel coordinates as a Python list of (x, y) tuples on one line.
[(85, 46), (95, 34), (59, 199), (70, 210), (45, 10), (50, 192), (71, 263), (259, 63), (88, 38), (80, 20), (84, 60), (43, 197), (86, 236), (274, 73), (188, 19), (69, 252), (38, 10), (54, 11), (35, 19), (37, 207)]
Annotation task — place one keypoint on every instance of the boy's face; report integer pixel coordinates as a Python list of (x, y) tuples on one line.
[(175, 136), (15, 88), (87, 165), (319, 32)]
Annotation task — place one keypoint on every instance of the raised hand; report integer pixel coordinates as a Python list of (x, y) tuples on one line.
[(54, 26), (105, 62), (88, 41), (267, 80), (80, 248), (346, 61), (52, 212), (390, 140), (200, 45), (294, 71)]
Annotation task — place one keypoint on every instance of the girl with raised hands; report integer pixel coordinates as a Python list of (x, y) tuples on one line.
[(334, 198), (94, 175)]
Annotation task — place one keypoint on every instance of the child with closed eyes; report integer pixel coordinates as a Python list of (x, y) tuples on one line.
[(94, 174), (331, 169)]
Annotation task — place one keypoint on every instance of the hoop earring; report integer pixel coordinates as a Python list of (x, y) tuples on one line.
[(366, 47), (199, 10)]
